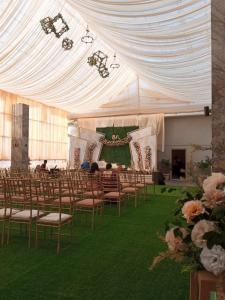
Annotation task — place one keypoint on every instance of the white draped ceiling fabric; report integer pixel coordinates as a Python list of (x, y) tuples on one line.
[(163, 48)]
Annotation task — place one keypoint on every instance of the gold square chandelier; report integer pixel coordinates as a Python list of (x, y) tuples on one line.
[(50, 25)]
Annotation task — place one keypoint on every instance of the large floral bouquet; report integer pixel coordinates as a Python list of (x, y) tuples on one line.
[(196, 235)]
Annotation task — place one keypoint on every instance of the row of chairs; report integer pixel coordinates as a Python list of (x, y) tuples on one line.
[(52, 202)]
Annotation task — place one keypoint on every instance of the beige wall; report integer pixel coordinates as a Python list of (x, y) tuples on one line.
[(183, 131)]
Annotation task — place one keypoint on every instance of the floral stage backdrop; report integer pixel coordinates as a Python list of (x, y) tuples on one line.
[(117, 154)]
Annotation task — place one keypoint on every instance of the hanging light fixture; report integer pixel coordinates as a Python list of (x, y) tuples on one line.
[(114, 65), (48, 25), (67, 44), (87, 38), (99, 59), (103, 71)]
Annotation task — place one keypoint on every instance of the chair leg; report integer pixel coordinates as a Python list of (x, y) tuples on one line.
[(8, 232), (93, 219), (3, 233), (36, 236), (102, 213), (71, 229), (119, 208), (29, 235), (58, 239)]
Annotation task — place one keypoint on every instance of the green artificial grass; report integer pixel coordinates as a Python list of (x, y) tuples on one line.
[(110, 263)]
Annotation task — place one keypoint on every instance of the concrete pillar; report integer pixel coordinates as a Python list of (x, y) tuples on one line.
[(218, 84), (20, 136)]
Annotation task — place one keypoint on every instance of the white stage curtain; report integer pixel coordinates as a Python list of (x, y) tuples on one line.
[(144, 139), (154, 124), (92, 137), (47, 129), (74, 143), (165, 43)]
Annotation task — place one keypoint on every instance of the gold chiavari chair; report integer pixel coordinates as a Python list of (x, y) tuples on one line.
[(20, 195), (54, 217), (124, 180), (132, 189), (93, 185), (5, 210), (68, 194), (93, 202), (112, 189), (141, 184)]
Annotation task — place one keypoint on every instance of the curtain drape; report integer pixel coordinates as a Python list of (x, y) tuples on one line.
[(36, 66), (154, 124), (165, 43), (47, 129)]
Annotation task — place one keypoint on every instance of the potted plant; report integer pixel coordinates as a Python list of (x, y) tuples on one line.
[(202, 169), (165, 167)]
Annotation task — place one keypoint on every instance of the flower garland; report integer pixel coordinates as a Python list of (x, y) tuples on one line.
[(138, 151), (115, 142), (200, 243), (76, 158), (90, 150), (148, 158)]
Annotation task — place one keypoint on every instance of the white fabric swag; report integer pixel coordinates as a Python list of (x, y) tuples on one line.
[(163, 48), (153, 124)]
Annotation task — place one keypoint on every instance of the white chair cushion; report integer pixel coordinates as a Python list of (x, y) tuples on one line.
[(25, 214), (54, 218), (6, 213)]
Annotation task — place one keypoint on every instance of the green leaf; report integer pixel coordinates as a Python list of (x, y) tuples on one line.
[(178, 233), (213, 238)]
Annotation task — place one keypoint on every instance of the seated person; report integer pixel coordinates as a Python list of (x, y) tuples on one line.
[(85, 165), (94, 168), (44, 166), (108, 170)]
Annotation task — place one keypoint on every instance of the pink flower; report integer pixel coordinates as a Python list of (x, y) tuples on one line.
[(192, 209), (213, 181), (214, 197), (175, 243)]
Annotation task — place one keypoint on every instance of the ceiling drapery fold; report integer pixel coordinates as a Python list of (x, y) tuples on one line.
[(166, 44)]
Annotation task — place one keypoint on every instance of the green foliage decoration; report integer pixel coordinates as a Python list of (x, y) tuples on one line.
[(118, 154)]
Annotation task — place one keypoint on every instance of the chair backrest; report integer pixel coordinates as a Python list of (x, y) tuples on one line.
[(49, 189), (19, 193), (110, 183), (3, 195)]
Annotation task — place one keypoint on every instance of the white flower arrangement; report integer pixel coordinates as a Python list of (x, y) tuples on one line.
[(200, 242), (213, 260)]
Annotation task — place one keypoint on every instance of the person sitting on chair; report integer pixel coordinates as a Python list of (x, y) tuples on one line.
[(85, 165), (44, 166), (108, 170), (94, 168)]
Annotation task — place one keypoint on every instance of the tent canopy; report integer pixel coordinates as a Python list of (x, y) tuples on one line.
[(163, 48)]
